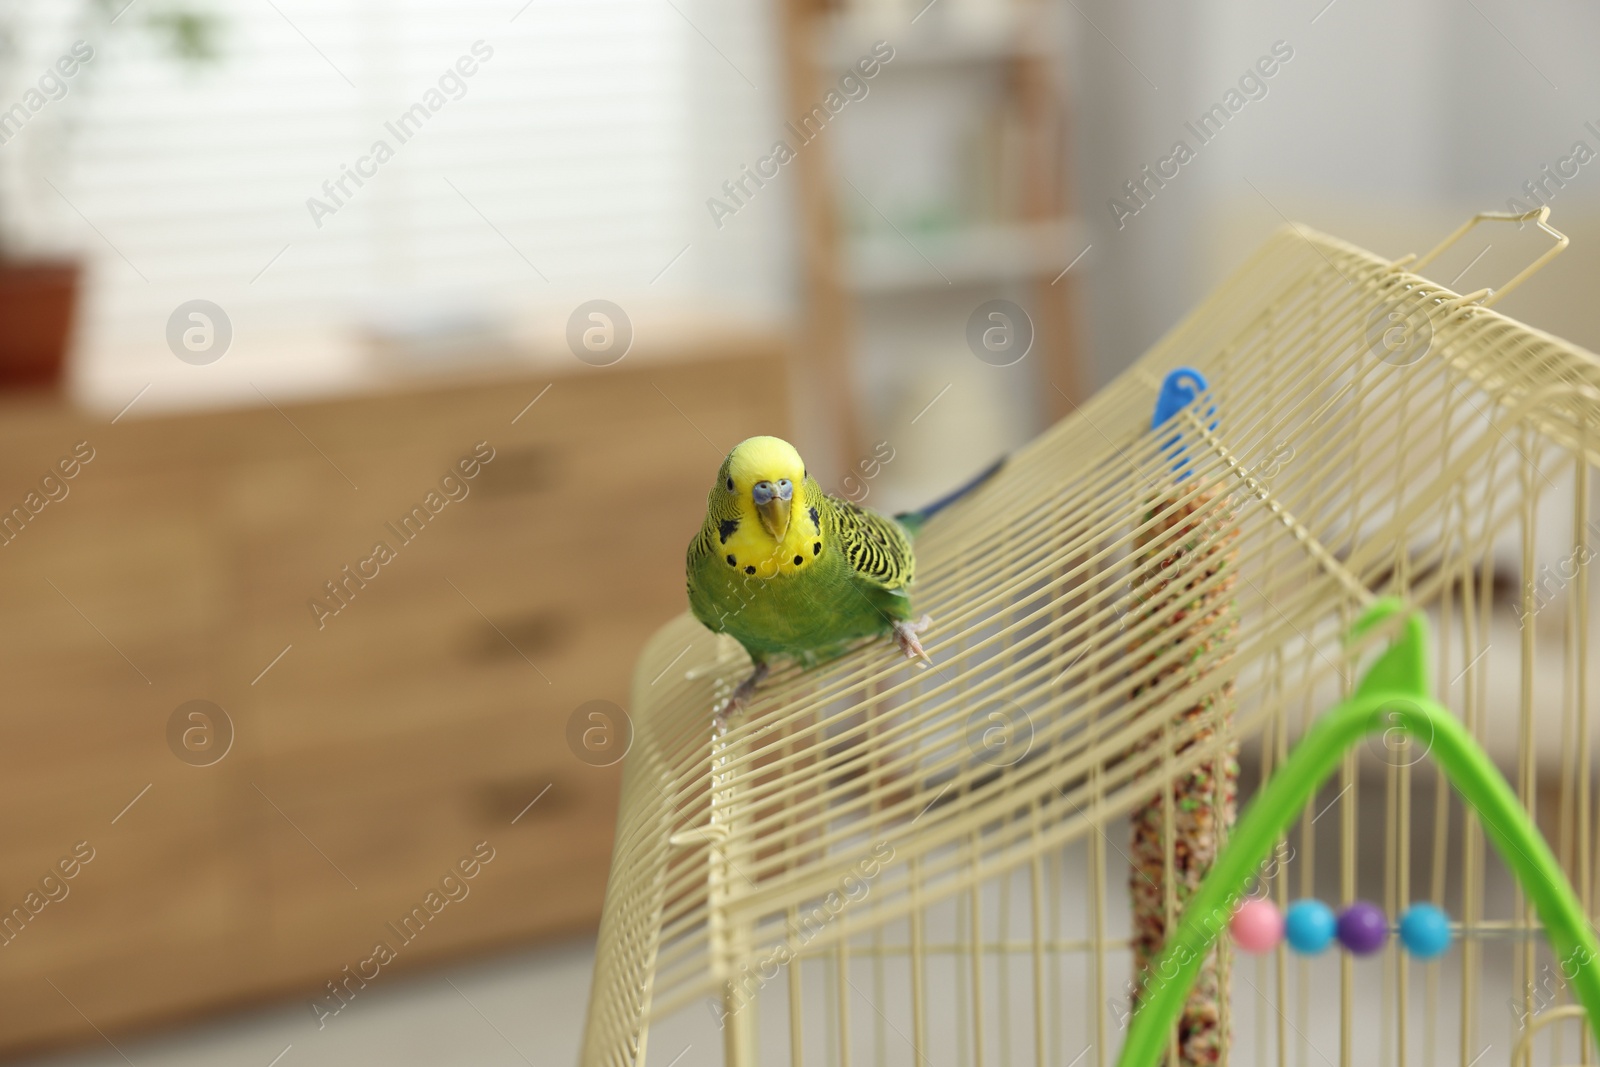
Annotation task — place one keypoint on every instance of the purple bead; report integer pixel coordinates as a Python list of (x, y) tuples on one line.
[(1363, 928)]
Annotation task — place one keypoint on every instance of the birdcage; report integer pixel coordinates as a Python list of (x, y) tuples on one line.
[(1136, 623)]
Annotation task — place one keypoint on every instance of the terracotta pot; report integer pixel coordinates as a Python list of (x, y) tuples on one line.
[(38, 299)]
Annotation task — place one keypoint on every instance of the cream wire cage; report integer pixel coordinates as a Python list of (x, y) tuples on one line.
[(884, 864)]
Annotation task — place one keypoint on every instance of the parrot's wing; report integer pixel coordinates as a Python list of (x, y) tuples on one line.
[(877, 547)]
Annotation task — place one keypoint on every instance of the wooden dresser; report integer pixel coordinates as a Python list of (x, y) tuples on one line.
[(374, 748)]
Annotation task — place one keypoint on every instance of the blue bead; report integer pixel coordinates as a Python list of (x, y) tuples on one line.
[(1425, 931), (1309, 926)]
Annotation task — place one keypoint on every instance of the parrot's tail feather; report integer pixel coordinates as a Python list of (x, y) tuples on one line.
[(914, 520)]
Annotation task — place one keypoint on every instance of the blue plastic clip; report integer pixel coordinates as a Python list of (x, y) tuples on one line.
[(1178, 390)]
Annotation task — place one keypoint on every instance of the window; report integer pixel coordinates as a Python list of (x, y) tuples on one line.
[(347, 166)]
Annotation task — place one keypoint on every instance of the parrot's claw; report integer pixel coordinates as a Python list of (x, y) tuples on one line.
[(905, 635), (746, 689)]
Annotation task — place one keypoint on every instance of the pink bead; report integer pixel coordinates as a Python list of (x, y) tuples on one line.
[(1257, 926)]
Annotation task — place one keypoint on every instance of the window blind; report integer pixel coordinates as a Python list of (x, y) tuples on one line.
[(532, 155)]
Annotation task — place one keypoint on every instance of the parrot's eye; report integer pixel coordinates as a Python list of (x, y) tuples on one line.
[(730, 485)]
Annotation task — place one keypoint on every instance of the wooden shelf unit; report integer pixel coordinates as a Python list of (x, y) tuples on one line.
[(1031, 249)]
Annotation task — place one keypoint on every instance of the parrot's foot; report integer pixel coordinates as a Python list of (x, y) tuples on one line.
[(746, 689), (905, 635)]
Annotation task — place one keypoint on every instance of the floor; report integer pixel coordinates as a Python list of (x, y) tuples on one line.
[(525, 1010)]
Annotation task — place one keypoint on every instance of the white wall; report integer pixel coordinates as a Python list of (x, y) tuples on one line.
[(1392, 123)]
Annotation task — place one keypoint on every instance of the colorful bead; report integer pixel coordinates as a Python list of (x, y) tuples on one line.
[(1309, 926), (1257, 926), (1363, 928), (1425, 931)]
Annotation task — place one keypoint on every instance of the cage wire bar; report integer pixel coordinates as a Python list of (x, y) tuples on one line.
[(883, 864)]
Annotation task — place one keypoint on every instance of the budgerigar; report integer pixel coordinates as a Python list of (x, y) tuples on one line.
[(789, 570)]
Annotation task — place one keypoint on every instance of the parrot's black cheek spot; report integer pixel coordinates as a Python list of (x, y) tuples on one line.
[(749, 570), (799, 560), (816, 548), (816, 521), (725, 529), (732, 562)]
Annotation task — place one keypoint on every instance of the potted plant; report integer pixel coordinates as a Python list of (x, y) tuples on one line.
[(41, 93)]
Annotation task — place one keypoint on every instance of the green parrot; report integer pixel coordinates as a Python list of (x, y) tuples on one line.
[(788, 570)]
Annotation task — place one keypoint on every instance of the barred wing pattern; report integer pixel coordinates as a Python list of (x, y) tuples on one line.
[(876, 545)]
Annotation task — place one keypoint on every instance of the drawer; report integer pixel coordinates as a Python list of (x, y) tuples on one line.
[(79, 752), (395, 816), (139, 552), (155, 922), (315, 703)]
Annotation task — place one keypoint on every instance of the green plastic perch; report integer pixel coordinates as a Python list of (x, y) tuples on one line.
[(1394, 694)]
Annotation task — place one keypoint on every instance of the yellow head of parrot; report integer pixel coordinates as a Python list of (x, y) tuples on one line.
[(769, 474)]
